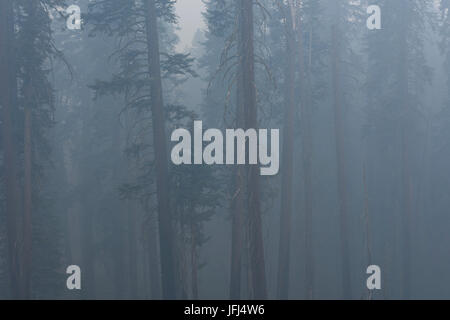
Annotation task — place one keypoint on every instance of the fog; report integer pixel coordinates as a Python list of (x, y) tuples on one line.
[(136, 140), (190, 20)]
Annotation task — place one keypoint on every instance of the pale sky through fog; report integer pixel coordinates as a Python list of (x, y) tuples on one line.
[(190, 19)]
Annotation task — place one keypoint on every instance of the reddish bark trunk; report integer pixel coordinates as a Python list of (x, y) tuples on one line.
[(160, 150), (257, 263)]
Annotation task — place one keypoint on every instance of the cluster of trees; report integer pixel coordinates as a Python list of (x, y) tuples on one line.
[(86, 177)]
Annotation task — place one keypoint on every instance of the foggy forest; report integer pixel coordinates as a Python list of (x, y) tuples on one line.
[(104, 174)]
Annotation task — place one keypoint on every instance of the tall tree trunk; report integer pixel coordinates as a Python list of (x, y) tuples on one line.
[(340, 153), (160, 150), (307, 182), (118, 254), (406, 217), (132, 221), (86, 209), (119, 221), (28, 217), (367, 225), (153, 260), (237, 229), (87, 249), (305, 124), (194, 262), (238, 199), (7, 91), (27, 221), (406, 201), (132, 251), (405, 170), (246, 55), (287, 160)]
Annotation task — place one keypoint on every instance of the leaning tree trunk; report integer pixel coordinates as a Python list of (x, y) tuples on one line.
[(160, 150), (340, 154), (247, 65), (7, 92)]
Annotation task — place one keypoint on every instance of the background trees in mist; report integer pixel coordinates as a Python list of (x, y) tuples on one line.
[(86, 179)]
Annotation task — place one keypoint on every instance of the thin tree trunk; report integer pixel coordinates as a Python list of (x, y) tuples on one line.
[(153, 262), (307, 181), (367, 225), (27, 221), (28, 214), (238, 199), (305, 126), (406, 174), (118, 254), (7, 91), (257, 263), (132, 221), (287, 161), (406, 216), (87, 250), (119, 221), (86, 211), (160, 150), (237, 230), (340, 154), (132, 251), (194, 263), (305, 123)]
